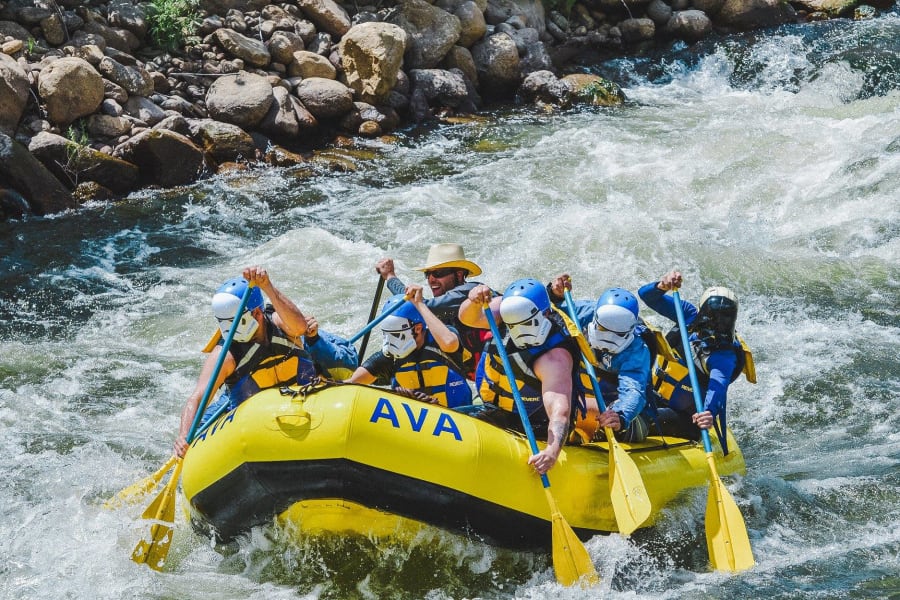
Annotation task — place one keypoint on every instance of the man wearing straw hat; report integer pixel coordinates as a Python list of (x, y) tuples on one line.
[(446, 270)]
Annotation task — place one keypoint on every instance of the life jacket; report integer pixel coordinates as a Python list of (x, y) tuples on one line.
[(493, 384), (434, 372), (472, 342), (261, 366)]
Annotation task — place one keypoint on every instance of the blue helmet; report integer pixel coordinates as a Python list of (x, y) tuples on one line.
[(236, 286), (522, 308), (225, 304), (616, 314), (397, 328), (619, 297)]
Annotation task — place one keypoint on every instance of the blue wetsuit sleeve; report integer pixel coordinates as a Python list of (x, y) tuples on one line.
[(721, 365), (329, 351), (664, 304), (395, 285), (633, 366)]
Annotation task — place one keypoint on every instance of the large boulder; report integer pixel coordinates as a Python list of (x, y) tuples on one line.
[(71, 88), (222, 141), (472, 23), (497, 62), (164, 157), (309, 64), (754, 14), (371, 56), (432, 32), (249, 50), (134, 80), (688, 25), (281, 120), (326, 15), (125, 15), (531, 11), (74, 164), (24, 173), (325, 98), (14, 92), (593, 89), (242, 99)]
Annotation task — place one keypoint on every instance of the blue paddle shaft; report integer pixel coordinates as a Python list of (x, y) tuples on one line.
[(692, 370), (201, 408), (592, 374), (520, 406), (374, 323)]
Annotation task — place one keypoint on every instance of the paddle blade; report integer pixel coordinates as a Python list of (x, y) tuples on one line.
[(631, 504), (726, 533), (137, 490), (571, 561), (153, 551)]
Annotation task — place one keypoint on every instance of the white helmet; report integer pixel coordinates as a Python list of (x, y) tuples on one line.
[(399, 340), (612, 328), (224, 306), (522, 309)]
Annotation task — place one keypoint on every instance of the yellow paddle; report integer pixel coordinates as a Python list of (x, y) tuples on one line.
[(137, 490), (726, 533), (153, 551), (571, 560), (162, 512), (631, 504)]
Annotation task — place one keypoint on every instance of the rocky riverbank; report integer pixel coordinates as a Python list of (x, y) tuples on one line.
[(93, 106)]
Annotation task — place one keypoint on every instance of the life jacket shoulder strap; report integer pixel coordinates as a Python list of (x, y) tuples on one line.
[(575, 333)]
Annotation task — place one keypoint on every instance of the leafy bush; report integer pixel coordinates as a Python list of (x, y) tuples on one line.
[(173, 22)]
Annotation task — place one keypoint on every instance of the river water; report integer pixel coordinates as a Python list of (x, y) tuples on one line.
[(769, 163)]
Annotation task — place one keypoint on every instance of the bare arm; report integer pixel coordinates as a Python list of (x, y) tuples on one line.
[(193, 402), (361, 375), (287, 316), (471, 311), (554, 369), (447, 340)]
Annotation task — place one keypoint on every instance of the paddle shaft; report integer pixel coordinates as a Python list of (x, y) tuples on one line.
[(210, 387), (365, 330), (375, 301), (520, 405), (692, 370), (592, 374)]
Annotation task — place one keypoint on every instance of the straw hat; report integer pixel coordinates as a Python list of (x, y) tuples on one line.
[(441, 256)]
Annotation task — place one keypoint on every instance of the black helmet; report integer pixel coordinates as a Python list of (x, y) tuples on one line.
[(717, 316)]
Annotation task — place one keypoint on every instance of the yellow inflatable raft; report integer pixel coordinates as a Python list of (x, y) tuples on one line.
[(352, 458)]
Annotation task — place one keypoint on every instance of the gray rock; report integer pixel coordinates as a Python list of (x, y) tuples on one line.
[(25, 174), (283, 44), (164, 157), (308, 64), (71, 162), (242, 99), (222, 141), (125, 15), (14, 93), (249, 50), (497, 62), (754, 14), (142, 108), (135, 80), (325, 98), (108, 126), (281, 120), (71, 88), (431, 32), (689, 25), (327, 15)]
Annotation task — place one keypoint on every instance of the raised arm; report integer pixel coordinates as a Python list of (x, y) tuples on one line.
[(471, 311), (287, 316), (447, 339)]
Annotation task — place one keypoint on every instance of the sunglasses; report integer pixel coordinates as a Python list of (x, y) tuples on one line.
[(440, 273)]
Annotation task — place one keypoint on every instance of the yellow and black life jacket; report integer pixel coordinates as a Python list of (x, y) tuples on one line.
[(261, 366), (436, 373), (493, 384)]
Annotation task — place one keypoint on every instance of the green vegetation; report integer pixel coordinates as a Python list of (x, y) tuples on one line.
[(173, 22)]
